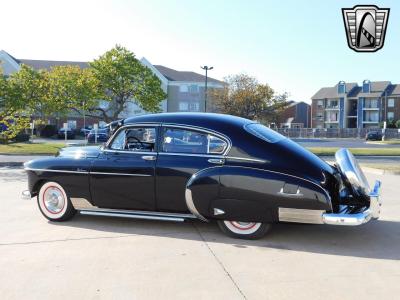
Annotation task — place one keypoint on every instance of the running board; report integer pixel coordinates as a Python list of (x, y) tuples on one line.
[(144, 215)]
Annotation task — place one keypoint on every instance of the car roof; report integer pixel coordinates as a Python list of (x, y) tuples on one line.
[(218, 122)]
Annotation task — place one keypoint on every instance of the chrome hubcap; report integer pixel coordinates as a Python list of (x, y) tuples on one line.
[(53, 200)]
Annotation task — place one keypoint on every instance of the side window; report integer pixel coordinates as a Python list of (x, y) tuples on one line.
[(178, 140), (139, 139)]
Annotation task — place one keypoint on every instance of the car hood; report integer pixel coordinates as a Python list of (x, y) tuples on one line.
[(84, 151)]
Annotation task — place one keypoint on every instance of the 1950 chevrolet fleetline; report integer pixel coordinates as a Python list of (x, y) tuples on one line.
[(180, 166)]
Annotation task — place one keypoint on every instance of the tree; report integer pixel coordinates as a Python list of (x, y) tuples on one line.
[(244, 96), (73, 88), (398, 123), (27, 91), (124, 79)]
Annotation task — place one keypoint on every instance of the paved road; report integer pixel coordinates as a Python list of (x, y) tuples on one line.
[(100, 258), (342, 143)]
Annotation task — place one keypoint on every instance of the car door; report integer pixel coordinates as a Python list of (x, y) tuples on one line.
[(123, 177), (184, 151)]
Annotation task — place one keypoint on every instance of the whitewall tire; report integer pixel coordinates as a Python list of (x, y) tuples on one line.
[(54, 203), (244, 230)]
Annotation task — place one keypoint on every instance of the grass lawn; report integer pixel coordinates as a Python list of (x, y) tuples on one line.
[(356, 151), (388, 142), (28, 148)]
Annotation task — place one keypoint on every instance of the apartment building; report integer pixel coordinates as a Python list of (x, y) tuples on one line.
[(349, 105)]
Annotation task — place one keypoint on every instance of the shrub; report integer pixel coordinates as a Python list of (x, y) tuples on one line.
[(21, 137), (398, 123)]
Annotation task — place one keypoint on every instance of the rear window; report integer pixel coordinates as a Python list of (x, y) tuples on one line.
[(263, 132)]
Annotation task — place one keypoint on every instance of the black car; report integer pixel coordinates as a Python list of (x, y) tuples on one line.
[(70, 133), (101, 133), (373, 136), (181, 166)]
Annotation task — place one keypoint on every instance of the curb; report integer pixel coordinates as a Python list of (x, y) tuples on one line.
[(11, 164), (379, 171)]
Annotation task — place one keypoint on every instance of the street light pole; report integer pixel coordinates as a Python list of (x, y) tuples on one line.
[(206, 68)]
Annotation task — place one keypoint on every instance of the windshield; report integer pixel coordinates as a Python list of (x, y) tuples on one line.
[(264, 132)]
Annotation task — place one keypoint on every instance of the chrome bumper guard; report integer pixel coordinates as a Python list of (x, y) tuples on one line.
[(372, 212), (26, 195)]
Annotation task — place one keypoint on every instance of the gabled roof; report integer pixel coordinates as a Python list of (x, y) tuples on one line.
[(377, 89), (174, 75), (395, 89), (47, 64), (332, 92)]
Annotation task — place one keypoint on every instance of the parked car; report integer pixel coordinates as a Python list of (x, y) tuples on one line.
[(182, 166), (102, 135), (373, 136), (70, 133), (85, 130)]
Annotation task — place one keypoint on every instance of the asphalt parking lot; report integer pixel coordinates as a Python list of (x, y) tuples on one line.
[(108, 258)]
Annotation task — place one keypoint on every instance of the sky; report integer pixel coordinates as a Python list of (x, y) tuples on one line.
[(294, 46)]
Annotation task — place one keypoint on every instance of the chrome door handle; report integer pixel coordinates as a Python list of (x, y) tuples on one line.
[(148, 157), (217, 161)]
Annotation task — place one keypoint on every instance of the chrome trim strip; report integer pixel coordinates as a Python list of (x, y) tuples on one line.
[(213, 156), (57, 171), (130, 152), (131, 216), (296, 215), (120, 174), (247, 159), (81, 203), (190, 205)]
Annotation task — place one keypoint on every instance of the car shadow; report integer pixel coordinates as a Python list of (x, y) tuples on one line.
[(377, 239)]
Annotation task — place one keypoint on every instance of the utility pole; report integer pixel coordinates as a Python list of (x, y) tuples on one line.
[(206, 68)]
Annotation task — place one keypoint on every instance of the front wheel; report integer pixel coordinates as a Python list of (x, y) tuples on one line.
[(54, 203), (244, 230)]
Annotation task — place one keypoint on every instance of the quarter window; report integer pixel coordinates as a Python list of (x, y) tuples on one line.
[(178, 140), (137, 139)]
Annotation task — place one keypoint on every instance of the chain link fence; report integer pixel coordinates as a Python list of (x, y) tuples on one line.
[(390, 133)]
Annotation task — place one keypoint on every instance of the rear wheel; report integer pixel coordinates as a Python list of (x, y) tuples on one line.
[(244, 230), (54, 203)]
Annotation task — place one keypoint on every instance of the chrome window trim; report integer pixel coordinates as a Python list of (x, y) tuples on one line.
[(212, 156), (205, 130), (130, 152)]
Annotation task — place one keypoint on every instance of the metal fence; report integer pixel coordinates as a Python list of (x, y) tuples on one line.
[(390, 133)]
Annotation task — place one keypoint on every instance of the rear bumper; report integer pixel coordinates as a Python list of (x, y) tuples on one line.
[(344, 218)]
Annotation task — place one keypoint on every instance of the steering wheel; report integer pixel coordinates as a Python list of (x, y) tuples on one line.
[(132, 137)]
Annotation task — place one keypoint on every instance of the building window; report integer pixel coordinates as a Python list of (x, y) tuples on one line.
[(320, 103), (183, 88), (366, 86), (341, 87), (71, 124), (390, 116), (195, 106), (183, 106), (332, 116), (391, 102), (371, 103), (333, 104), (371, 116), (194, 89)]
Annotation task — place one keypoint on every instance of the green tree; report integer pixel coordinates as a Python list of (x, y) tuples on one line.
[(398, 123), (124, 79), (73, 88), (27, 91), (244, 96)]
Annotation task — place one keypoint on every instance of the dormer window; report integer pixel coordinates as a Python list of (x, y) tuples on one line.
[(341, 87), (366, 86)]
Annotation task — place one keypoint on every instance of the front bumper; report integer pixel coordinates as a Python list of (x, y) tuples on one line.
[(371, 212)]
